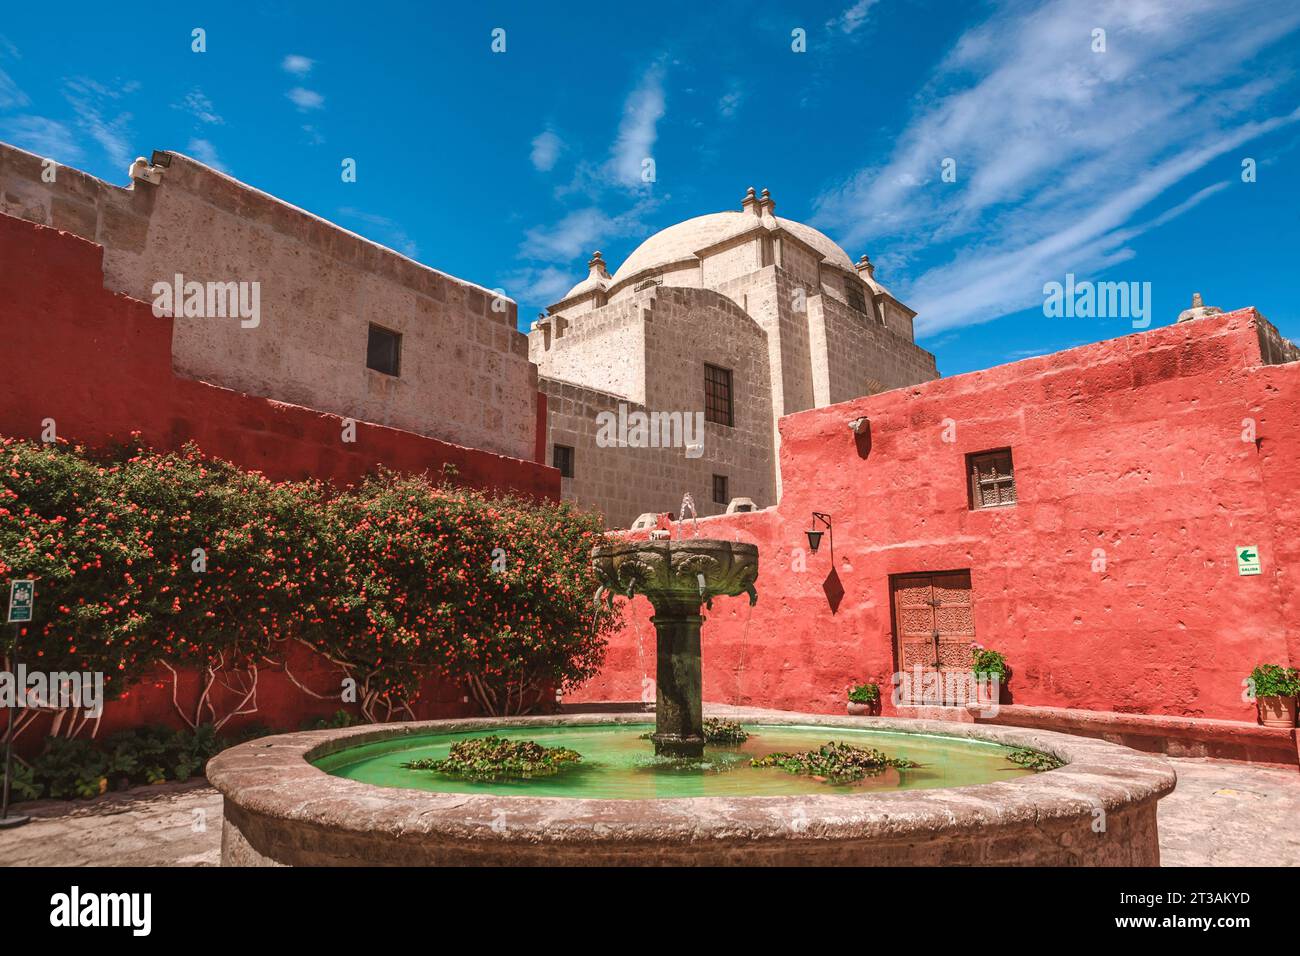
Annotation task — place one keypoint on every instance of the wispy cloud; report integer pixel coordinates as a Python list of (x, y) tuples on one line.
[(93, 103), (546, 150), (197, 104), (382, 229), (729, 103), (297, 65), (579, 232), (852, 18), (639, 128), (45, 137), (305, 99), (1058, 149), (543, 285), (206, 153)]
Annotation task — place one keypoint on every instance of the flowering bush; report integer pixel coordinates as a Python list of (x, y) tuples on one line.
[(176, 560)]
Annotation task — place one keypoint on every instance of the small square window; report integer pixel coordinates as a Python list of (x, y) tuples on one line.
[(992, 479), (717, 395), (384, 350), (562, 458), (720, 490)]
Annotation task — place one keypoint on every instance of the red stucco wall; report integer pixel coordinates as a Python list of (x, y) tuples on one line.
[(99, 364), (1133, 445)]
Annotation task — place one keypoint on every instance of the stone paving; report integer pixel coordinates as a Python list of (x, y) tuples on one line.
[(1221, 814)]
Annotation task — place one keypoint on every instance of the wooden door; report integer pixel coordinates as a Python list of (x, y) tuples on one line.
[(934, 626)]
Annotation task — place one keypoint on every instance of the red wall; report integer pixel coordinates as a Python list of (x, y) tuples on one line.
[(1132, 445), (99, 364)]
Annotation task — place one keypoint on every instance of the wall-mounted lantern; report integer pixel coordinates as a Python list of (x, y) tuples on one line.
[(815, 536)]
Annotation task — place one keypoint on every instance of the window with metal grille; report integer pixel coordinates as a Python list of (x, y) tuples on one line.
[(384, 350), (853, 294), (992, 479), (717, 395), (562, 458), (720, 490)]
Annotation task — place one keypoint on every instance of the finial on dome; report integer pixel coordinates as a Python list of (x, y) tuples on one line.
[(596, 265), (765, 204), (866, 265), (750, 202)]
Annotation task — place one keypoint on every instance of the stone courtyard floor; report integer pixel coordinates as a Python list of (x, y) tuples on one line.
[(1221, 814)]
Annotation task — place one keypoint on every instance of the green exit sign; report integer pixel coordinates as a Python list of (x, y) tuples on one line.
[(22, 597), (1247, 559)]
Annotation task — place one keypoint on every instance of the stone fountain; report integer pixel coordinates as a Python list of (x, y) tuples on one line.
[(677, 577)]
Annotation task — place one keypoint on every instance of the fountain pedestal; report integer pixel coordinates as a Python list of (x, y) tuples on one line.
[(677, 577), (679, 711)]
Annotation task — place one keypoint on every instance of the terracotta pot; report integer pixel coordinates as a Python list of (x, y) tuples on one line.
[(1276, 711), (863, 710)]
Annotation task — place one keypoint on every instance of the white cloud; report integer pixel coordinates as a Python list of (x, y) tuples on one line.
[(297, 65), (638, 129), (197, 104), (546, 150), (42, 136), (306, 99), (206, 153), (730, 102), (92, 102), (853, 17), (1058, 149), (11, 97), (571, 236), (541, 286)]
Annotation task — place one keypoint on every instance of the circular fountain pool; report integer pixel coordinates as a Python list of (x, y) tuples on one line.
[(618, 763), (292, 800)]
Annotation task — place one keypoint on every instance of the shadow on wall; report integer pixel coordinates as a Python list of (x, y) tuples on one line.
[(834, 589)]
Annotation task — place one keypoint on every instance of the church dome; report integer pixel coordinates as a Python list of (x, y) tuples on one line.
[(683, 241)]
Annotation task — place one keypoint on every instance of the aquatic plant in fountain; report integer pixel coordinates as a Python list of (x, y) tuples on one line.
[(835, 761), (677, 577), (495, 758)]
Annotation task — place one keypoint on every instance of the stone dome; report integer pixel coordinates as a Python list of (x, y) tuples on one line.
[(681, 242)]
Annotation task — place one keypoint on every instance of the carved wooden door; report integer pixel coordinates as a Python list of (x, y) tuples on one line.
[(934, 626)]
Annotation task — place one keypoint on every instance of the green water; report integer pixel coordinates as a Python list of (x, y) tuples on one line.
[(617, 764)]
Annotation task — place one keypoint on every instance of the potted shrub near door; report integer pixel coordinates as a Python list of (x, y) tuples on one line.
[(864, 700), (1275, 689)]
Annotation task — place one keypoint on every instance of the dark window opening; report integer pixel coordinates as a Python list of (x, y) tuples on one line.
[(562, 459), (717, 395), (853, 294), (992, 479), (720, 490), (384, 350)]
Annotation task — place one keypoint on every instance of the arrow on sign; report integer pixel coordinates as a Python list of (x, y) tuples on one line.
[(1247, 555)]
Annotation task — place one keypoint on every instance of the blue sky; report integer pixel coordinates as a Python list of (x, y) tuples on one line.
[(508, 169)]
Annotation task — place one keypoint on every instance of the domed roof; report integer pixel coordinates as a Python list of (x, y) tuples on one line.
[(685, 239)]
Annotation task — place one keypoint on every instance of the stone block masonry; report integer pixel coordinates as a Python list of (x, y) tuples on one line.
[(465, 377)]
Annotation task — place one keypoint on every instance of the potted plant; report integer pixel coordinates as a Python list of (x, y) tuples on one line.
[(1275, 689), (988, 665), (864, 700)]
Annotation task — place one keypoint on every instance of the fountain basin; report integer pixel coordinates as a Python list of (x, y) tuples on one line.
[(1100, 809)]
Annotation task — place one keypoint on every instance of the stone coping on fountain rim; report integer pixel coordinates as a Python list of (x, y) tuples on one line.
[(272, 778)]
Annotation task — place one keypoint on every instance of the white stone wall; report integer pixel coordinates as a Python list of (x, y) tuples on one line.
[(465, 374), (683, 329)]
